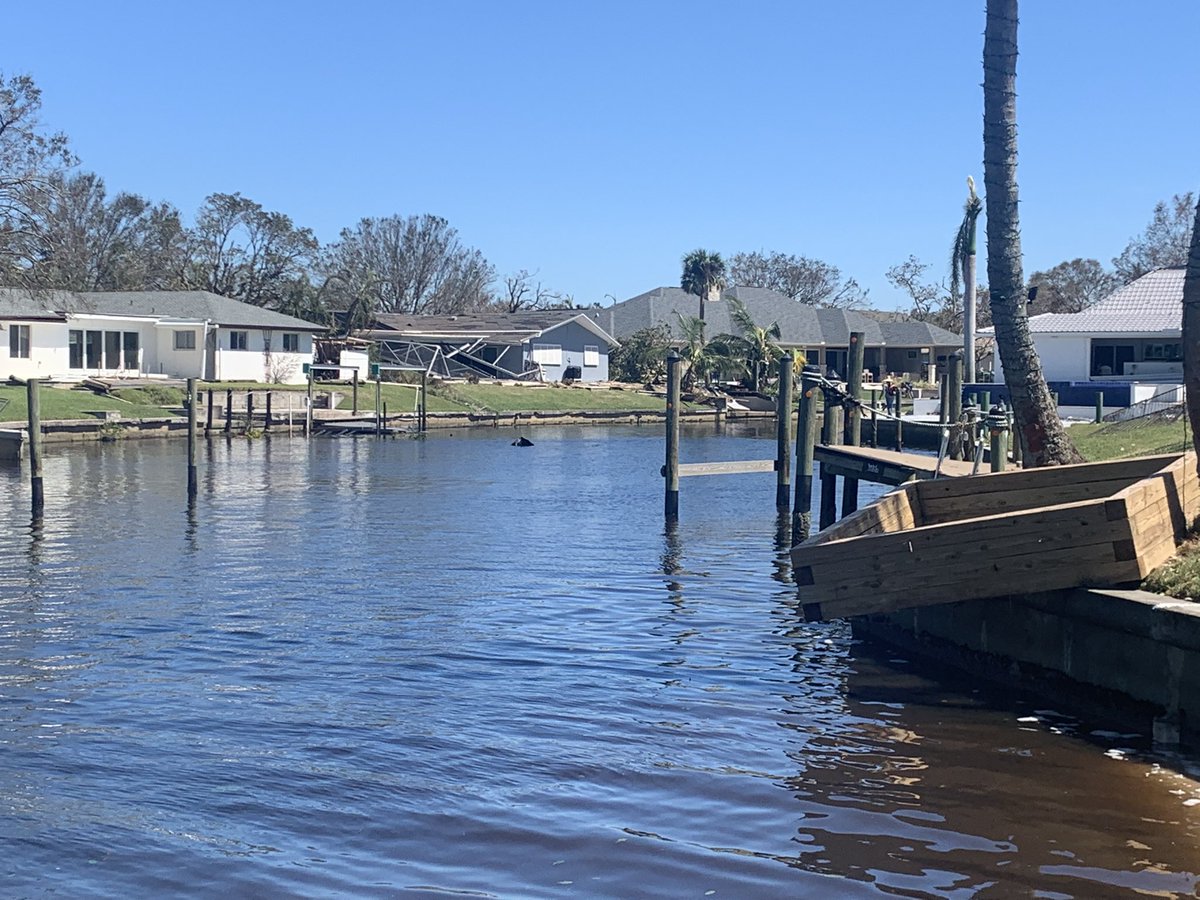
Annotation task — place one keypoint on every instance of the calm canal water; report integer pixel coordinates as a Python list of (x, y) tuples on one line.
[(452, 666)]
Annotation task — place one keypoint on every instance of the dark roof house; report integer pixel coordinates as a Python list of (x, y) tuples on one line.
[(822, 334)]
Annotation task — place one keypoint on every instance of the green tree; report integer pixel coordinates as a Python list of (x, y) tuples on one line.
[(641, 358), (755, 346), (703, 273), (1040, 430), (699, 356)]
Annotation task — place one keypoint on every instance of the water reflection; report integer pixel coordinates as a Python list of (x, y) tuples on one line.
[(389, 667)]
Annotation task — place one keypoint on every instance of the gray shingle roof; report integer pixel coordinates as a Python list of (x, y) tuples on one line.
[(20, 303), (800, 325), (516, 326), (1152, 304)]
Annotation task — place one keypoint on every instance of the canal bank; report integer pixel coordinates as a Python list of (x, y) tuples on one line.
[(1128, 654)]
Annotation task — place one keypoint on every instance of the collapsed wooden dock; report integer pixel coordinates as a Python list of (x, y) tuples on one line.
[(998, 534)]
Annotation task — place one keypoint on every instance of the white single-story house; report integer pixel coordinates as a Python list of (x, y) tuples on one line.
[(532, 345), (1134, 334), (917, 350), (65, 336)]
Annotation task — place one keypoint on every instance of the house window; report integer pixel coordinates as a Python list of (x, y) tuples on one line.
[(591, 355), (547, 354), (291, 342), (132, 345), (185, 340), (18, 341), (239, 340), (94, 346), (75, 349), (112, 349)]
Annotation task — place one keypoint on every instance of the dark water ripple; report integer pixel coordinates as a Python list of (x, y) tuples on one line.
[(451, 666)]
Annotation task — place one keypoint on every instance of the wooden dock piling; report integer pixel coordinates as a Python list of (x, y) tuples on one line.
[(853, 435), (671, 466), (954, 399), (37, 491), (783, 432), (831, 433), (208, 418), (806, 436), (422, 418), (192, 481)]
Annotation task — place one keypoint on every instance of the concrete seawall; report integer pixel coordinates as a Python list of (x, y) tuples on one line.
[(1127, 653)]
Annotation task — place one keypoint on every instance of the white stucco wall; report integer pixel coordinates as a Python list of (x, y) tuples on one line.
[(1064, 357), (252, 364), (177, 363), (47, 351)]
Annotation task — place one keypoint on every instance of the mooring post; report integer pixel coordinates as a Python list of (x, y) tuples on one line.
[(783, 432), (385, 417), (997, 421), (379, 405), (229, 411), (249, 410), (354, 394), (943, 398), (422, 416), (854, 417), (954, 399), (308, 406), (267, 423), (831, 434), (208, 419), (34, 402), (192, 481), (1099, 407), (806, 436), (671, 468)]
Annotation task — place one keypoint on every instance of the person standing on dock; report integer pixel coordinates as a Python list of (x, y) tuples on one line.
[(891, 397)]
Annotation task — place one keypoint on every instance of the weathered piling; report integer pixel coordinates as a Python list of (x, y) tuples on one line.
[(831, 434), (853, 435), (671, 466), (229, 411), (1099, 407), (308, 406), (208, 418), (422, 418), (783, 432), (806, 435), (37, 489), (997, 421), (354, 394), (379, 405), (249, 410), (267, 421), (192, 481), (954, 397)]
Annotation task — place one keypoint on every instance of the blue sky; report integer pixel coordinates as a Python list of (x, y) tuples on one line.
[(597, 142)]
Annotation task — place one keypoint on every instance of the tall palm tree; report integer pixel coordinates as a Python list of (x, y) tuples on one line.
[(1191, 331), (962, 273), (1039, 429), (703, 272)]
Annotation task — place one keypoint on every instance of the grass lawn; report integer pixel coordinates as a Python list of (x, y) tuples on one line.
[(154, 402), (62, 403), (1117, 440)]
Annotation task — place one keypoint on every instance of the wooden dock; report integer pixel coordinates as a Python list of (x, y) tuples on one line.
[(885, 466), (1086, 525)]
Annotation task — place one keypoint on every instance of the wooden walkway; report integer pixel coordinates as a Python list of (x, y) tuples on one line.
[(884, 466), (863, 463)]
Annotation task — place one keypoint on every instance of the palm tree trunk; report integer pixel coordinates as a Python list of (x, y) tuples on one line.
[(1191, 331), (1040, 431)]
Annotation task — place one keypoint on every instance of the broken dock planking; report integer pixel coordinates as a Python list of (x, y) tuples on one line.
[(1004, 533)]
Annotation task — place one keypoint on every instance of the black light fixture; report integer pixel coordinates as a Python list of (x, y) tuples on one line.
[(1032, 296)]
